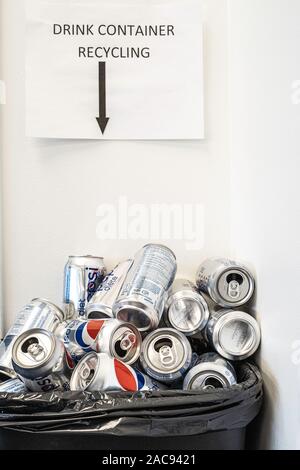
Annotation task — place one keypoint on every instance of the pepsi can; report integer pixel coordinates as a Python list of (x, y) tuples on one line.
[(118, 339), (166, 355), (209, 373), (142, 297), (101, 304), (41, 361), (39, 313), (234, 334), (82, 277), (12, 386), (228, 283), (100, 372), (186, 310)]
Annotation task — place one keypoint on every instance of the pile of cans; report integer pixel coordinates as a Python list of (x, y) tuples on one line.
[(136, 328)]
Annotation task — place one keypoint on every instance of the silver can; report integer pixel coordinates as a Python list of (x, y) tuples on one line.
[(118, 339), (100, 305), (142, 297), (12, 386), (166, 355), (234, 334), (82, 277), (39, 313), (42, 362), (228, 283), (100, 372), (186, 310), (211, 372)]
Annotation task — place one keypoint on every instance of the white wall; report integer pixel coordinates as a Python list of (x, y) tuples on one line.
[(52, 188), (265, 149)]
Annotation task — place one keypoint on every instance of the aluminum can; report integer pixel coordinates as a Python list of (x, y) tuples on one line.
[(211, 372), (12, 386), (41, 361), (100, 305), (78, 336), (82, 277), (117, 339), (166, 355), (228, 283), (100, 372), (39, 313), (143, 295), (234, 334), (186, 310)]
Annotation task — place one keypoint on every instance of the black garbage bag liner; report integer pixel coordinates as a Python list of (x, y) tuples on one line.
[(152, 414)]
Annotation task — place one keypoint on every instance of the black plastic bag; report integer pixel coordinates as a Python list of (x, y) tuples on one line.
[(152, 414)]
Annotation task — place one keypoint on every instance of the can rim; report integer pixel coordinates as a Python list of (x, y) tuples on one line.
[(136, 306), (99, 308), (225, 374), (216, 295), (45, 362), (154, 372), (228, 317)]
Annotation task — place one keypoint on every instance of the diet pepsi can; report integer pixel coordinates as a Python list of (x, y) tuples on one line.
[(83, 275), (166, 355), (118, 339), (234, 334), (12, 386), (142, 297), (210, 372), (41, 361), (100, 305), (186, 310), (100, 372), (228, 283), (39, 313)]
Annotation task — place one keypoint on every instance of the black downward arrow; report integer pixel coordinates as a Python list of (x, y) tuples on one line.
[(102, 119)]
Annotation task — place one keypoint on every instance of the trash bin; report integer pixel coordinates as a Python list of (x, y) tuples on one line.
[(143, 420)]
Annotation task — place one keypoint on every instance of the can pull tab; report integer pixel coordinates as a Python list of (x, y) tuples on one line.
[(36, 351), (167, 355), (127, 341), (233, 289)]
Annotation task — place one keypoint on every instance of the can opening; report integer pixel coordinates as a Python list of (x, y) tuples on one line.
[(235, 277), (212, 383), (119, 350), (161, 343), (25, 346), (97, 315)]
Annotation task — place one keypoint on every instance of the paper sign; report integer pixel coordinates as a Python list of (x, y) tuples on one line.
[(115, 69)]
